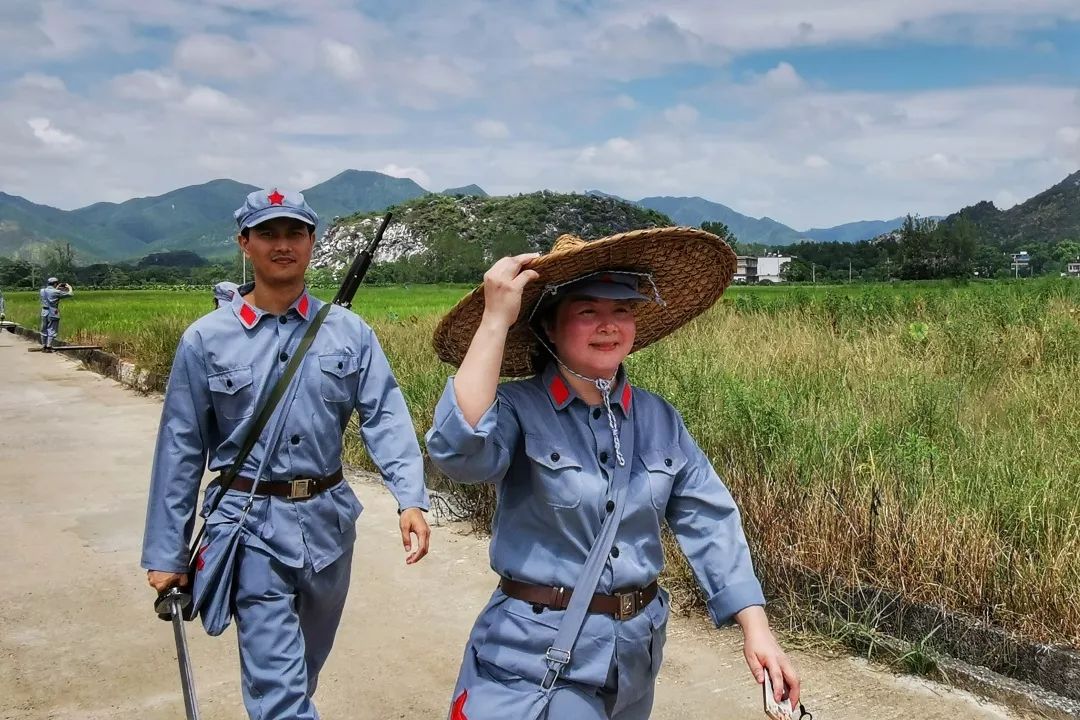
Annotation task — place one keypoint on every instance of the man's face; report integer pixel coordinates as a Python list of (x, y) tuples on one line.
[(280, 250)]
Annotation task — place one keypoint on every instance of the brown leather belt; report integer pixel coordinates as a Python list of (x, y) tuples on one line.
[(622, 605), (295, 489)]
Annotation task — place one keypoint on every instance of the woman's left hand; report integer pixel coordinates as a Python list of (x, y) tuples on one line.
[(762, 653)]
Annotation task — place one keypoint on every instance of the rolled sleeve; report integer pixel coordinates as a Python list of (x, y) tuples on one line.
[(179, 461), (387, 429), (470, 454), (707, 525)]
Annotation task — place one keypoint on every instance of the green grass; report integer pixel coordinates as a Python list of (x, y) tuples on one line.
[(922, 438)]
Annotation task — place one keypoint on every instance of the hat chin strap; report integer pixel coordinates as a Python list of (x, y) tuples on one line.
[(604, 385)]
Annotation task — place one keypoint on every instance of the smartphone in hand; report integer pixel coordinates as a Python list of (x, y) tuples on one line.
[(776, 710)]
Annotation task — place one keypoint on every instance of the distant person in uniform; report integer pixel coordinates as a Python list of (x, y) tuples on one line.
[(224, 293), (588, 469), (295, 555), (3, 307), (51, 295)]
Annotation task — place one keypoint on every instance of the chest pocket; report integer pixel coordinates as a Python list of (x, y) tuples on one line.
[(233, 393), (339, 377), (662, 466), (555, 471)]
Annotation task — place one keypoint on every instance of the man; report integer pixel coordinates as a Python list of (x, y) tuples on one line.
[(295, 555), (51, 295)]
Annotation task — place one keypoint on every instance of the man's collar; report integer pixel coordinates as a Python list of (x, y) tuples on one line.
[(562, 394), (249, 315)]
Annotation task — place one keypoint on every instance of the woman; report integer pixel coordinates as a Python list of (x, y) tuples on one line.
[(586, 468)]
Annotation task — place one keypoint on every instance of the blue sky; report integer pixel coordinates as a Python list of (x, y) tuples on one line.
[(811, 113)]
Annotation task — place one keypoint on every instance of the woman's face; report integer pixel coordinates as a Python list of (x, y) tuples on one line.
[(592, 336)]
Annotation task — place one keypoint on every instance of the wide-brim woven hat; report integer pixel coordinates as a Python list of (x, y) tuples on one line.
[(690, 267)]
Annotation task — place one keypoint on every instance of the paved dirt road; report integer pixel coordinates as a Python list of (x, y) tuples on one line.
[(78, 639)]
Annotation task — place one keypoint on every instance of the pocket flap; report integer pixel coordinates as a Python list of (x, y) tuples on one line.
[(339, 365), (669, 460), (230, 382), (549, 453)]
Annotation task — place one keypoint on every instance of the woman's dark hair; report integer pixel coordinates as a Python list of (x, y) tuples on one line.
[(540, 356)]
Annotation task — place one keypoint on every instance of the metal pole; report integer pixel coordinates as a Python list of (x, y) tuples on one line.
[(174, 602)]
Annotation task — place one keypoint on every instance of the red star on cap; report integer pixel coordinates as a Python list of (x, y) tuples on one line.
[(275, 197)]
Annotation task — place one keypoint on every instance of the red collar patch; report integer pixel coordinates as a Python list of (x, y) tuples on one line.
[(458, 711), (559, 392), (248, 316), (302, 306), (627, 397)]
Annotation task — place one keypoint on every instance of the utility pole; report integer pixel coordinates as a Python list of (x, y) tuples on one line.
[(849, 272), (813, 273)]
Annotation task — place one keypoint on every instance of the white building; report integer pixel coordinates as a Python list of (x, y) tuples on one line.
[(760, 269)]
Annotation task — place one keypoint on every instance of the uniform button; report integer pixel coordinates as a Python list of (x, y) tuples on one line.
[(295, 439), (340, 365), (603, 457), (283, 356), (596, 413), (283, 320), (610, 505), (614, 552), (554, 457), (228, 383), (667, 461)]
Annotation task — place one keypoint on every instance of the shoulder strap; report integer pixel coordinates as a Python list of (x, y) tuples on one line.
[(267, 411), (558, 655)]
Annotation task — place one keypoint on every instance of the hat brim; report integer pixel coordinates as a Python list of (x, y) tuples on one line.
[(690, 267), (270, 213)]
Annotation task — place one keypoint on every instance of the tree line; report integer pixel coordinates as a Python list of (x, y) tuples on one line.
[(921, 249)]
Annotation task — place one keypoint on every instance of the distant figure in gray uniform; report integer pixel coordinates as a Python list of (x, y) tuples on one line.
[(223, 293), (51, 295), (3, 313)]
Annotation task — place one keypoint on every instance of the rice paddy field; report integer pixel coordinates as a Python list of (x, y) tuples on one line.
[(920, 438)]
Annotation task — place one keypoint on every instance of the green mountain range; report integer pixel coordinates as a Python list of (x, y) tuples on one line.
[(1051, 217), (198, 218)]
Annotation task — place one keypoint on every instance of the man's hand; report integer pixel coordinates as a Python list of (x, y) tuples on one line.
[(162, 581), (412, 523), (762, 652)]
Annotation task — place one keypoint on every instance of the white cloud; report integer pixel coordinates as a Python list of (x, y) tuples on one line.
[(40, 81), (1069, 134), (682, 115), (342, 60), (147, 85), (1005, 199), (815, 161), (491, 129), (52, 136), (625, 102), (414, 173), (220, 56), (212, 104), (782, 77)]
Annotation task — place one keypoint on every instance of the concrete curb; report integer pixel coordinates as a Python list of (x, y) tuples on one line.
[(104, 363)]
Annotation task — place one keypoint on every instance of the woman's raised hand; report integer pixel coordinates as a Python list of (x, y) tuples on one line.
[(503, 284)]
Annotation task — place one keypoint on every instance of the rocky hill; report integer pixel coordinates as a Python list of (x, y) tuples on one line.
[(487, 226), (1046, 219)]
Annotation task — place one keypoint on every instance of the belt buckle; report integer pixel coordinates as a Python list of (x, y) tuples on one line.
[(300, 489), (628, 605)]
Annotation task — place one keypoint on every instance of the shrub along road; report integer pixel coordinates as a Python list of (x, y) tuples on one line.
[(78, 639)]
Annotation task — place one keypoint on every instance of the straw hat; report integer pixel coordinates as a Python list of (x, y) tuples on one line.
[(691, 269)]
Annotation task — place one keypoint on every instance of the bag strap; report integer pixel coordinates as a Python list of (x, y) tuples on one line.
[(558, 655), (265, 413)]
